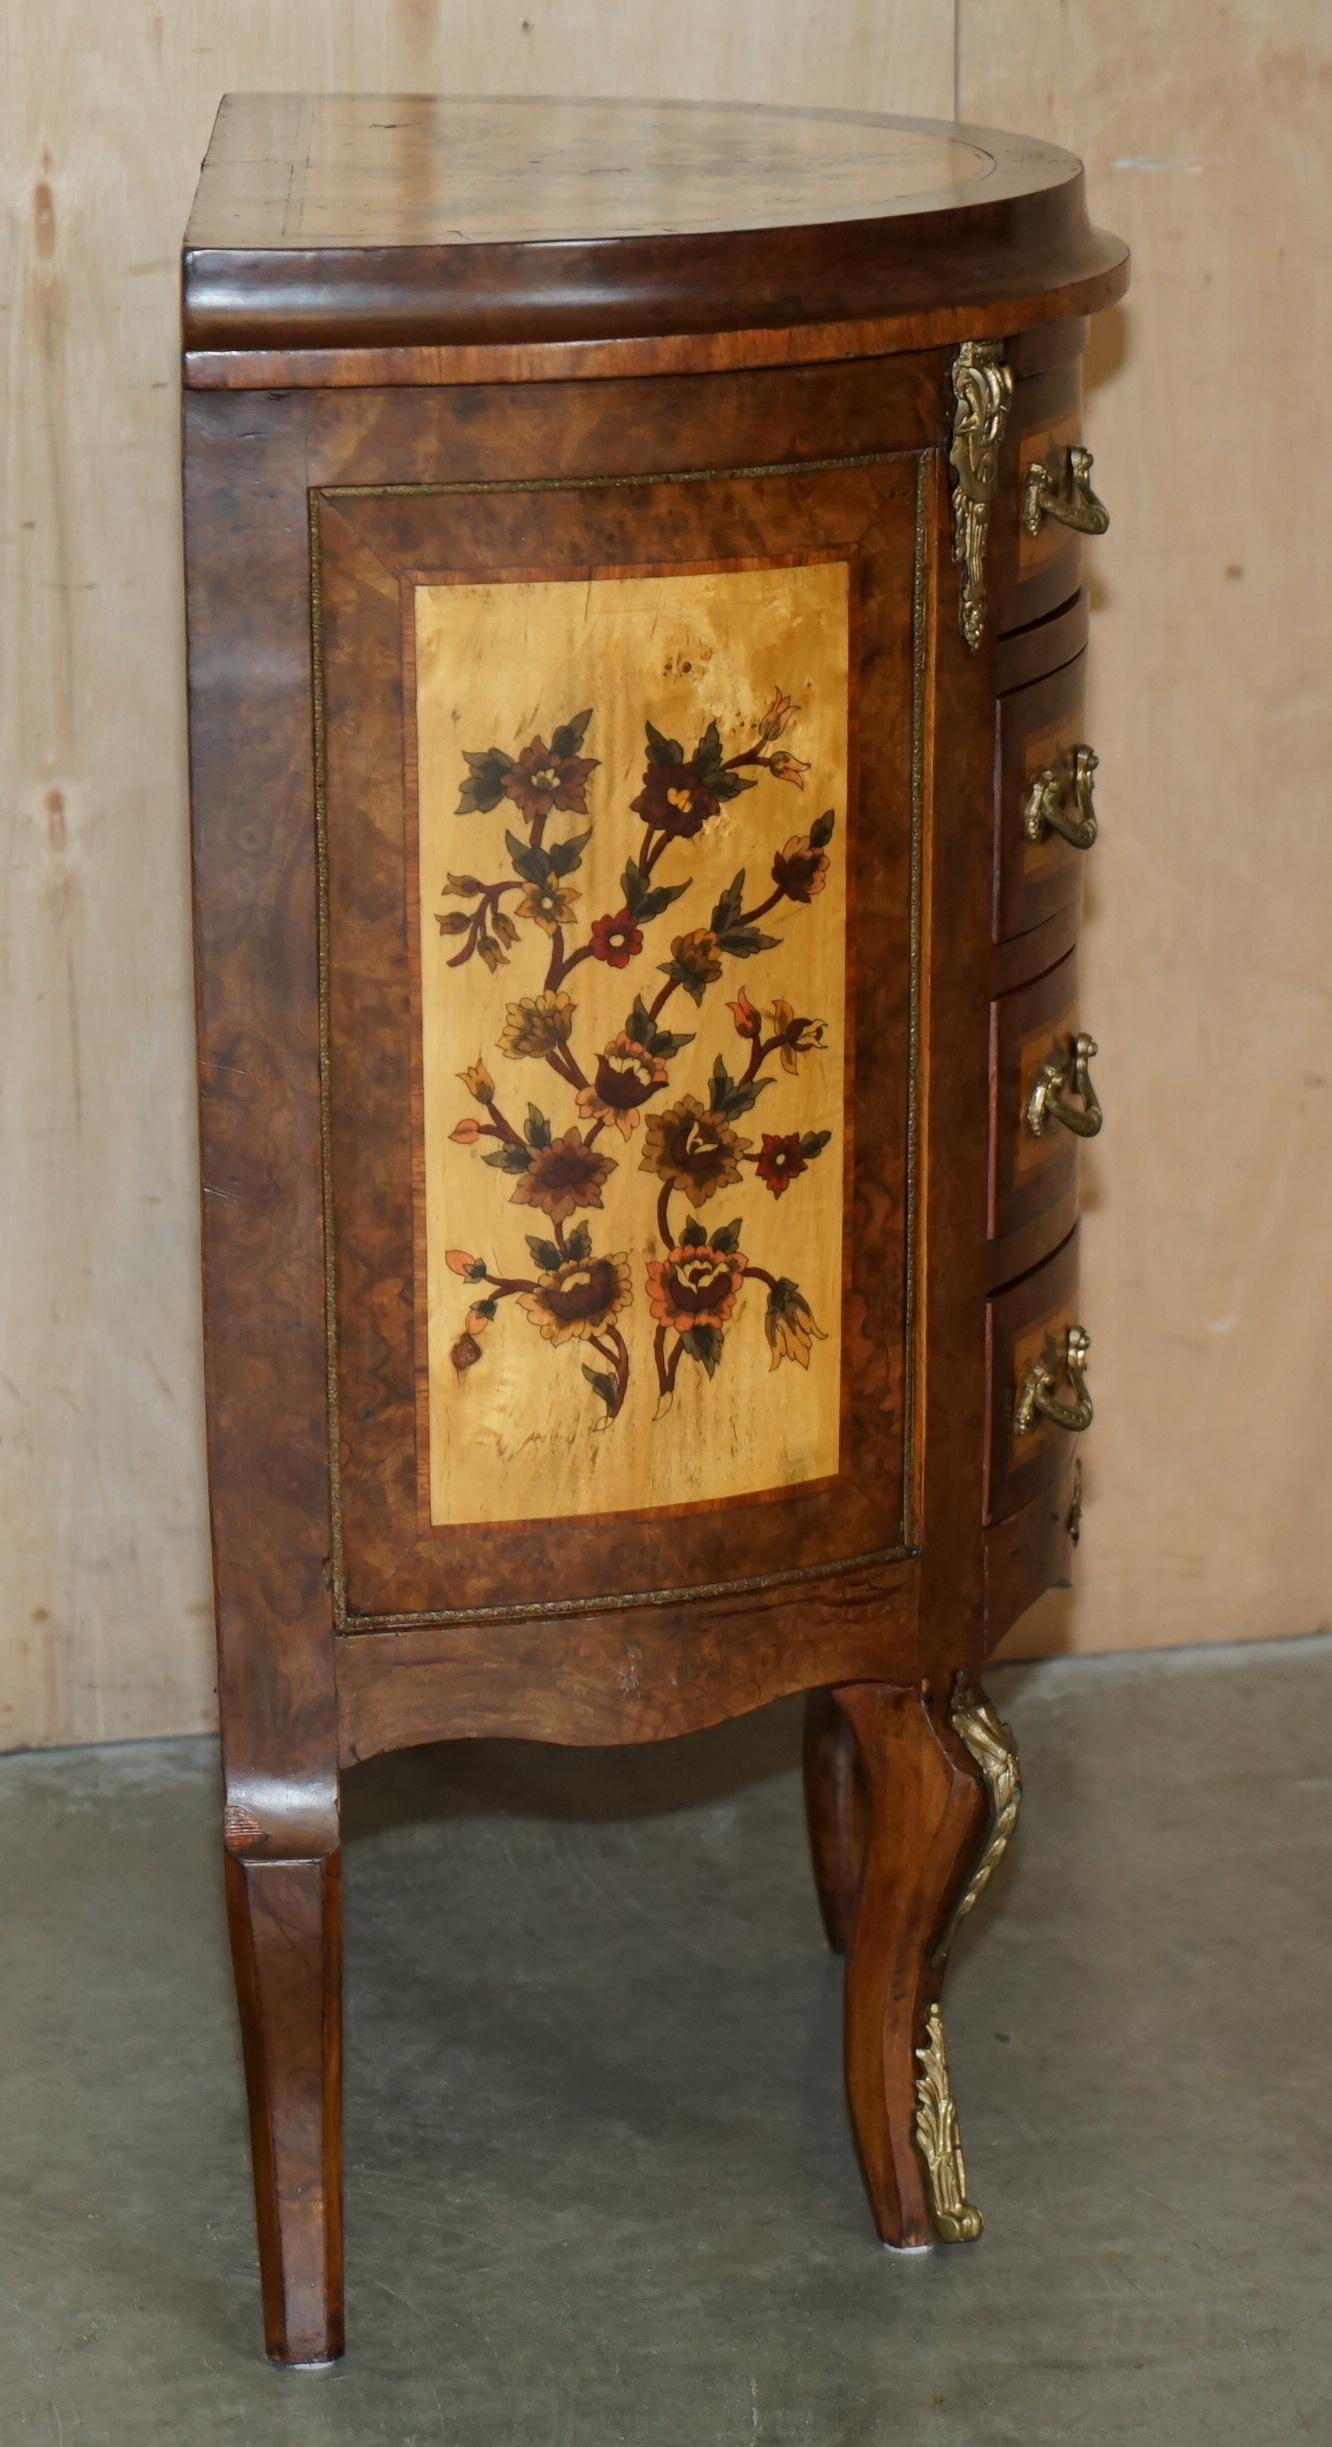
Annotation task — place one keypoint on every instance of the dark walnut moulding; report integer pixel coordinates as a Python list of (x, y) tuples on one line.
[(640, 797), (619, 234)]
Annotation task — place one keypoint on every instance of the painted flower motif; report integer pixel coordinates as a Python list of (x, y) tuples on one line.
[(565, 1175), (550, 904), (697, 955), (694, 1286), (694, 1147), (675, 800), (579, 1298), (795, 1036), (693, 1150), (787, 768), (478, 1082), (616, 940), (541, 780), (780, 1161), (536, 1025), (627, 1074), (789, 1324), (799, 869)]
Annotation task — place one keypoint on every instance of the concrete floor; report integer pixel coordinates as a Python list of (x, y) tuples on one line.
[(599, 2187)]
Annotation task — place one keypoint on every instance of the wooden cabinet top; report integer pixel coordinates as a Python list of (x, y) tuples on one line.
[(373, 222)]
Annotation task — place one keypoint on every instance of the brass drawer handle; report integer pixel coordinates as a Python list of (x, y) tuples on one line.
[(1060, 801), (1060, 1077), (1066, 495), (1037, 1391)]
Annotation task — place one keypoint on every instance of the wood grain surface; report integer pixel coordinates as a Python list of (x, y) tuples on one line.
[(869, 511), (385, 222), (515, 1431), (1205, 1251)]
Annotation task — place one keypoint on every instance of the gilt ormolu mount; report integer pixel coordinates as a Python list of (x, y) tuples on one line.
[(636, 631)]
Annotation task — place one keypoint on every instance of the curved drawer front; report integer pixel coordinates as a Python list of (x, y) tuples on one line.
[(1045, 504), (1042, 1102), (1032, 1550), (1028, 1332), (1045, 808)]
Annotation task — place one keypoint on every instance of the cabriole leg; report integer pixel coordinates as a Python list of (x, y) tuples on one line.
[(286, 1942), (834, 1813), (941, 1795)]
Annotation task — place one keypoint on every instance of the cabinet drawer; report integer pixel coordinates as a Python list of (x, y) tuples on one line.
[(1033, 1333), (1039, 529), (1032, 1550), (1044, 801), (1041, 1098)]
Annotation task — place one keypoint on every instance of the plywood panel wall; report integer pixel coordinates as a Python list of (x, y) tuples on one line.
[(1207, 1266), (1205, 966)]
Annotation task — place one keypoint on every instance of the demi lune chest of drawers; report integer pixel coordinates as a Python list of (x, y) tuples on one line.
[(640, 797)]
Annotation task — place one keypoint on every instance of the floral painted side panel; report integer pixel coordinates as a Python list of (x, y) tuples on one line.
[(633, 990)]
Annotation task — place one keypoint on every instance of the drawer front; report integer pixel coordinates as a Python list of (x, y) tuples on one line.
[(1042, 1101), (1038, 1408), (1032, 1550), (1045, 820), (1040, 521)]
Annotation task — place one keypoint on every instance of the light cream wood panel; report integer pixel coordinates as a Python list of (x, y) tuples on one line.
[(105, 115), (1207, 1258), (675, 899)]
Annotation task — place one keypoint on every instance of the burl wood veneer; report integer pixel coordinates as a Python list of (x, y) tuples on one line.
[(640, 800)]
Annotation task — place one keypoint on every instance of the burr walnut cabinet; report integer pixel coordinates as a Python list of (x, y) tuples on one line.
[(640, 798)]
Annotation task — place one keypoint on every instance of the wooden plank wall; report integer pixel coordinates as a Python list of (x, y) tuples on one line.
[(1207, 1264)]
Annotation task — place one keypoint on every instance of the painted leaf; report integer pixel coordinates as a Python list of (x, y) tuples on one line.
[(708, 753), (743, 941), (659, 897), (484, 786), (663, 751), (704, 1343), (564, 856), (529, 861), (728, 908), (567, 737)]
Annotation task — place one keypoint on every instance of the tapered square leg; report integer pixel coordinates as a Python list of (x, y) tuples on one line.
[(933, 1828), (286, 1940)]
